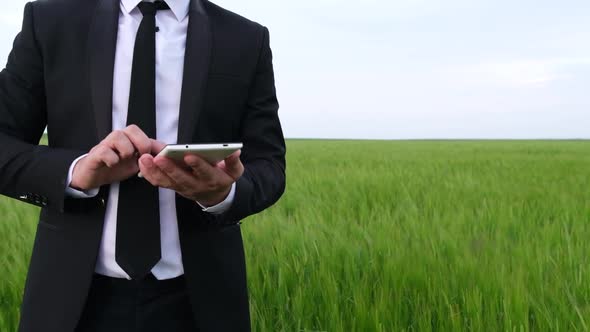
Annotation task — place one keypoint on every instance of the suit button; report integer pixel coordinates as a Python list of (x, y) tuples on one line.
[(103, 202)]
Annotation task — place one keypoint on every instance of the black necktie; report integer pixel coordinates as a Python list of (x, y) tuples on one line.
[(138, 216)]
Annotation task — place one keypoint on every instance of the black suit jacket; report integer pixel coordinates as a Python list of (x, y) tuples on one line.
[(59, 74)]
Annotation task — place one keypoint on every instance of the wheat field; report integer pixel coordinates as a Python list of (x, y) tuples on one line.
[(403, 236)]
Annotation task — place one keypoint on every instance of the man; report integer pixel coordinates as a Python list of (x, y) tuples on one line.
[(114, 81)]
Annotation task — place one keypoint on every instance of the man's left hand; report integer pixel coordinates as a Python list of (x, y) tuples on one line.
[(196, 179)]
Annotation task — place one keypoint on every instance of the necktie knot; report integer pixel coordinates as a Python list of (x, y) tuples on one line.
[(150, 8)]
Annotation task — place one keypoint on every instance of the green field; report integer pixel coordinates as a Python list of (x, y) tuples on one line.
[(404, 236)]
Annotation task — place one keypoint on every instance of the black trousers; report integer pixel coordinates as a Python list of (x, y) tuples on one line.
[(149, 305)]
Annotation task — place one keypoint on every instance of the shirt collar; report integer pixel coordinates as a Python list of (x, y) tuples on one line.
[(179, 8)]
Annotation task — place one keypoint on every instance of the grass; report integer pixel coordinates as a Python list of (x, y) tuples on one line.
[(404, 236)]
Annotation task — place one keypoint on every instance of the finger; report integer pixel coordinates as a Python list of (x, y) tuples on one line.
[(153, 174), (183, 179), (124, 147), (233, 166), (200, 167), (234, 156), (156, 146), (118, 141), (139, 139), (104, 154)]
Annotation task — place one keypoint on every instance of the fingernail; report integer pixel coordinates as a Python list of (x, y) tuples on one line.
[(190, 160), (147, 162)]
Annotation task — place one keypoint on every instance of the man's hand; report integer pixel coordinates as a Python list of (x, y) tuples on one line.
[(112, 160), (196, 179)]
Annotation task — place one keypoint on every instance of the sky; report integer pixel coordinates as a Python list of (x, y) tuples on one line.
[(419, 69)]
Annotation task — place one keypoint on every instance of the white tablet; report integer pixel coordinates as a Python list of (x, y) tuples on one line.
[(213, 153)]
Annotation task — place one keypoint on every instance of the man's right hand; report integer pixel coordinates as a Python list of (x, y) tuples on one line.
[(112, 160)]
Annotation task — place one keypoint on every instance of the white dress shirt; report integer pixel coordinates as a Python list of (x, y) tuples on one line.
[(170, 48)]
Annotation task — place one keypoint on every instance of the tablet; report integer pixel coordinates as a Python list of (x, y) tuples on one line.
[(212, 153)]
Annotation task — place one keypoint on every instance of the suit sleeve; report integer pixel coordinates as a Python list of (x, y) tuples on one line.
[(29, 172), (263, 155)]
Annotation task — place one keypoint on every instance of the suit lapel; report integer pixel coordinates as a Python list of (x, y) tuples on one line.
[(196, 69), (102, 40)]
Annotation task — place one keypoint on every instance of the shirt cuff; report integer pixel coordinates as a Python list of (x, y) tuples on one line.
[(223, 206), (71, 192)]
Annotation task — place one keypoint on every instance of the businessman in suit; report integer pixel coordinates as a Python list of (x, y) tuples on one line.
[(114, 81)]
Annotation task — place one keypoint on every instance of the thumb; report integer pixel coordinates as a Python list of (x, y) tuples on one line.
[(233, 166)]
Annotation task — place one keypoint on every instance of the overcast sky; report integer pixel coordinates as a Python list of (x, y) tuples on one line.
[(420, 68)]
